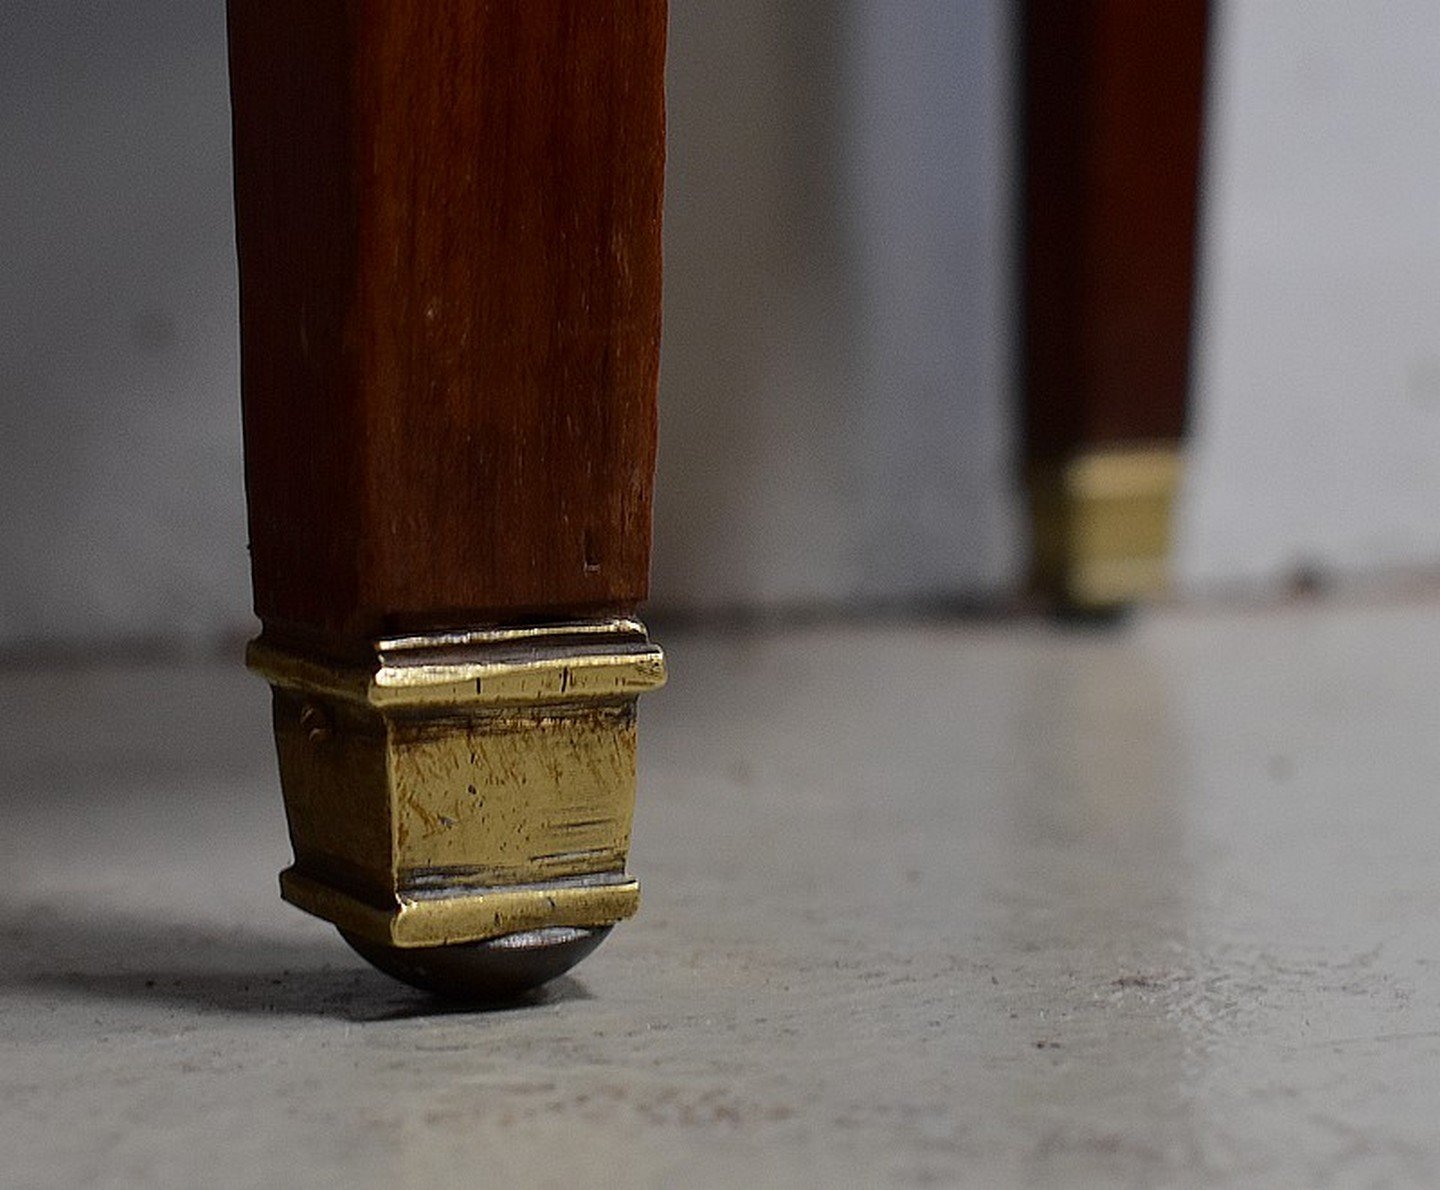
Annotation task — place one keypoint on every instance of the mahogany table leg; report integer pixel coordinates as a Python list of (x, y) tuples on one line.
[(449, 246), (1113, 102)]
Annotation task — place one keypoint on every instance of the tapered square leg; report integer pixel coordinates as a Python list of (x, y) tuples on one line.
[(1113, 104), (448, 223)]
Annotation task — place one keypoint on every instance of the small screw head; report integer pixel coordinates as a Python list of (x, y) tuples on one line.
[(315, 723)]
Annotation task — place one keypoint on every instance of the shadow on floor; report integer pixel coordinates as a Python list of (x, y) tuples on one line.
[(116, 956)]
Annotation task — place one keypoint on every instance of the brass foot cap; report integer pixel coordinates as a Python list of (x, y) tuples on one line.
[(1102, 524)]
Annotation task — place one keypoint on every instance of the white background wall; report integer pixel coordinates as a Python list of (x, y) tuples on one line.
[(1318, 428), (837, 420), (834, 419), (119, 425)]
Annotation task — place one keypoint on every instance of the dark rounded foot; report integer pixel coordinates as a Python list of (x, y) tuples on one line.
[(489, 972), (1094, 617)]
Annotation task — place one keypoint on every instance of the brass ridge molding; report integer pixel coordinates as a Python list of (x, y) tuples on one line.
[(463, 786), (1102, 523)]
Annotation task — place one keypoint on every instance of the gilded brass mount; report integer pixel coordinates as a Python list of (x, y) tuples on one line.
[(1102, 523), (465, 786)]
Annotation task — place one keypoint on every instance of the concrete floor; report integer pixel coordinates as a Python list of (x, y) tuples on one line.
[(970, 904)]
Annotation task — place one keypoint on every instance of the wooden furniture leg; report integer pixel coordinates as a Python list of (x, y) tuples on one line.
[(449, 246), (1112, 120)]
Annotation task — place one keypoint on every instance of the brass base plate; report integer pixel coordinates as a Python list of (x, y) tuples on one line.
[(465, 916)]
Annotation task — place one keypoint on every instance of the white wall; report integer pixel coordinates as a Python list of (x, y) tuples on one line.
[(835, 419), (120, 479), (1318, 428), (836, 422)]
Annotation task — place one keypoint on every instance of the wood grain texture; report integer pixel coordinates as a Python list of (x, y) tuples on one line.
[(1113, 100), (449, 239)]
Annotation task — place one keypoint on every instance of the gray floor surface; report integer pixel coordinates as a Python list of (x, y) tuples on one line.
[(977, 904)]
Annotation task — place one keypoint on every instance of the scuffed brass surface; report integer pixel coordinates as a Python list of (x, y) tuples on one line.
[(1102, 524), (463, 786)]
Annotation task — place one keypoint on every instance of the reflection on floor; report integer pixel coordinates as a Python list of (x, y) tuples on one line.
[(925, 904)]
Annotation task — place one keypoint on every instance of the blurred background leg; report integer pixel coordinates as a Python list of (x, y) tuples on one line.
[(1112, 101)]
